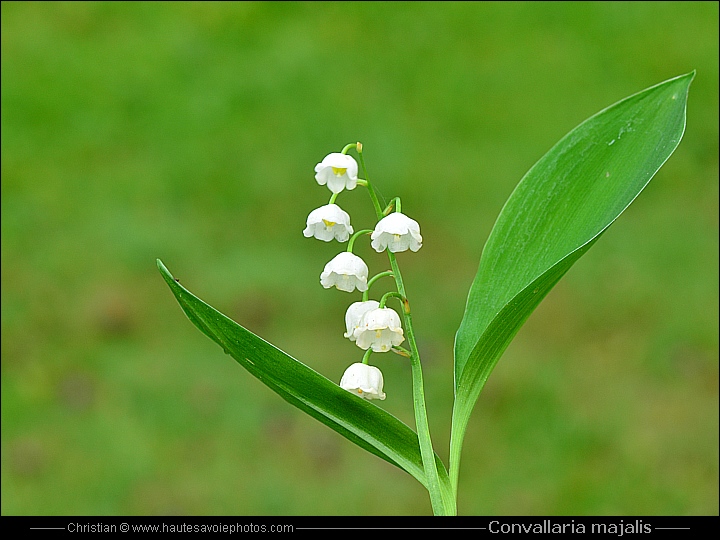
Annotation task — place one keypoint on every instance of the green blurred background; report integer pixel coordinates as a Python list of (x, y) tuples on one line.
[(189, 132)]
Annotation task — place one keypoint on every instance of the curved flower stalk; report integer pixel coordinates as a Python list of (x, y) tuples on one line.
[(364, 381), (346, 272), (328, 222), (396, 232)]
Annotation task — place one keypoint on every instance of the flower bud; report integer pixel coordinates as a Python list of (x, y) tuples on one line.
[(346, 272), (328, 222), (364, 381), (354, 315), (338, 171), (380, 329), (396, 232)]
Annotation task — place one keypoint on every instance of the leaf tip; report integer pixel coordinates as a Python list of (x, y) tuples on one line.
[(689, 77), (164, 271)]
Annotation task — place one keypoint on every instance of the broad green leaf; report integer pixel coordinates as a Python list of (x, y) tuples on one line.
[(557, 211), (360, 421)]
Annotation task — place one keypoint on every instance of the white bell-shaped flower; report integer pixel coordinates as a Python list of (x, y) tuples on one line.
[(396, 232), (338, 171), (328, 222), (354, 314), (345, 272), (380, 329), (364, 381)]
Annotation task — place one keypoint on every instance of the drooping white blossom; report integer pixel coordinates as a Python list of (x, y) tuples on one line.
[(338, 171), (328, 222), (354, 314), (345, 272), (364, 381), (380, 329), (396, 232)]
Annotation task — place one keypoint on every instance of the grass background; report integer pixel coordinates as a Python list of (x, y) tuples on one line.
[(189, 132)]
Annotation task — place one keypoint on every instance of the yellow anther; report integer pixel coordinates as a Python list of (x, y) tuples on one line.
[(378, 334), (339, 171), (328, 224)]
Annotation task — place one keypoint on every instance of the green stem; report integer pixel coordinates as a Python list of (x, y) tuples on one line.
[(371, 189), (387, 295), (395, 203), (333, 197), (366, 356), (348, 147), (421, 420), (351, 243), (372, 280)]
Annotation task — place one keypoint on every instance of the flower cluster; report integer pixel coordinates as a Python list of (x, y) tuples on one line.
[(369, 324)]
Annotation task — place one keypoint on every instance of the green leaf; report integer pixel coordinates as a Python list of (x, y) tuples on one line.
[(557, 211), (365, 424)]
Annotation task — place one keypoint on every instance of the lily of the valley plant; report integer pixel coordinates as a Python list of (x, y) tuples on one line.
[(556, 213)]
